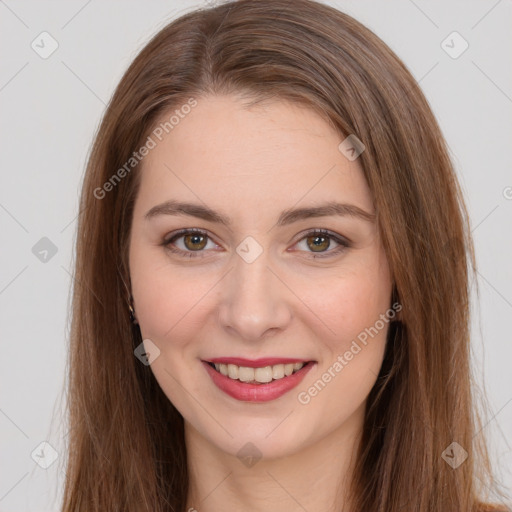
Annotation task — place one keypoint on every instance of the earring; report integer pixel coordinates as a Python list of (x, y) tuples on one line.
[(133, 319)]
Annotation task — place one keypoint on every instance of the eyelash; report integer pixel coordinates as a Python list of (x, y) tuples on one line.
[(343, 243)]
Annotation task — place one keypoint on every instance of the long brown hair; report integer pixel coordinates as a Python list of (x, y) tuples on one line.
[(126, 442)]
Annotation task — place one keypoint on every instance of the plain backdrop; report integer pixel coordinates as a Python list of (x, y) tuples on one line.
[(50, 109)]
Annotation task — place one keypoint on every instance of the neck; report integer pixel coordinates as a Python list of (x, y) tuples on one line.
[(315, 478)]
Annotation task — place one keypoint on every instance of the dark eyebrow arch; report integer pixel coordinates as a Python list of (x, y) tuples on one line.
[(287, 216)]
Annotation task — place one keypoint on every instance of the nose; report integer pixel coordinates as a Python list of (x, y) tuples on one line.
[(254, 300)]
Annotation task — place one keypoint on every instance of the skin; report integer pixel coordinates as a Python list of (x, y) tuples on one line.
[(250, 164)]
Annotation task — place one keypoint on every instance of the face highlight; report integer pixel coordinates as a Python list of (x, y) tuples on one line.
[(254, 238)]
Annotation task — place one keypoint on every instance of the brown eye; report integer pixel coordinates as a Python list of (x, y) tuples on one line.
[(318, 243), (195, 241), (189, 243)]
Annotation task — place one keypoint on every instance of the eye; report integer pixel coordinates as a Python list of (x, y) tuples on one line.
[(319, 240), (195, 240)]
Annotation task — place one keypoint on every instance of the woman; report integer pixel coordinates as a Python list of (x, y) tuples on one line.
[(273, 257)]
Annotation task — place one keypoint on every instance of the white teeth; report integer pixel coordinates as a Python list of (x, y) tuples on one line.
[(262, 375), (278, 371), (232, 371), (245, 374)]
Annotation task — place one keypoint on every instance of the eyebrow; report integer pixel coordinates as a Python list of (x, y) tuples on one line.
[(286, 217)]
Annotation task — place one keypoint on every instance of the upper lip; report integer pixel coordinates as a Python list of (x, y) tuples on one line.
[(256, 363)]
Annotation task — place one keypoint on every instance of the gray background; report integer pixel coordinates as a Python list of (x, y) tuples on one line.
[(50, 110)]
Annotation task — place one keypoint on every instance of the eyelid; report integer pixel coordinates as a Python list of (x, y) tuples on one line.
[(323, 231)]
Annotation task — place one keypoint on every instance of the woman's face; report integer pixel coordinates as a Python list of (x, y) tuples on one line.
[(256, 282)]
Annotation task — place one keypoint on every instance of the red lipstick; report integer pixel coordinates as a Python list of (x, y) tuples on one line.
[(265, 392)]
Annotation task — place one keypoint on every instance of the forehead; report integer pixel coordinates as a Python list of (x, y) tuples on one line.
[(273, 153)]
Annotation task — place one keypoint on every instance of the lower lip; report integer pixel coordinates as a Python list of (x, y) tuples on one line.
[(257, 392)]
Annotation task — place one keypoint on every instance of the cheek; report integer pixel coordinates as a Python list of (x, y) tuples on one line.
[(352, 357), (358, 307), (169, 302), (155, 293), (351, 304), (165, 307)]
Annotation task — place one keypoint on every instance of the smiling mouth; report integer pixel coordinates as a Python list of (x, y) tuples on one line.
[(263, 375)]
